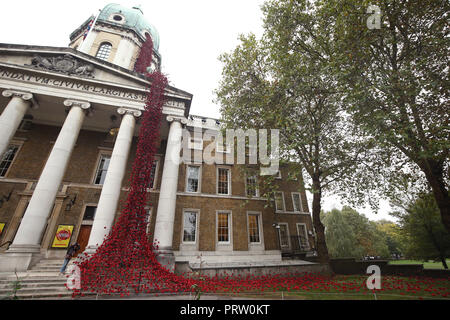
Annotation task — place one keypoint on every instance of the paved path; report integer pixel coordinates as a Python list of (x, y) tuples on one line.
[(166, 297)]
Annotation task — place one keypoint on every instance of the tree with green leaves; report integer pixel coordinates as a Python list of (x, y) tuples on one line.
[(396, 82), (392, 234), (284, 81), (425, 235), (340, 236), (351, 234)]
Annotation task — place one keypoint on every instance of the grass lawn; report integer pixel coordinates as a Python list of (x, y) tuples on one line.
[(426, 265), (354, 288)]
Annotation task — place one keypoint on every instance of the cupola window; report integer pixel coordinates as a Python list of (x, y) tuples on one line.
[(104, 51), (117, 17)]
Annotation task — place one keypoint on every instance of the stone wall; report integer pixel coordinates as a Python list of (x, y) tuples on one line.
[(350, 266), (256, 270)]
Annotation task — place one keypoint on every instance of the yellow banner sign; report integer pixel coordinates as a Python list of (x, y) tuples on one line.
[(62, 236)]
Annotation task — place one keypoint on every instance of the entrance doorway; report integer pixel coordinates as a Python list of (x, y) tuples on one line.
[(86, 227), (83, 238)]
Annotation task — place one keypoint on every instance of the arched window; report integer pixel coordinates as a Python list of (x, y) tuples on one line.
[(104, 50)]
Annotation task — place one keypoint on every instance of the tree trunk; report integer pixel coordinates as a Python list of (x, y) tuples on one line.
[(444, 263), (322, 250), (436, 245), (434, 174)]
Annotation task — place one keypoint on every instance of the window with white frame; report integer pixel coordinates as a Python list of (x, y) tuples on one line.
[(279, 201), (193, 178), (190, 226), (153, 174), (252, 188), (195, 143), (148, 217), (102, 168), (223, 227), (284, 235), (8, 158), (151, 180), (104, 51), (303, 235), (254, 227), (297, 202), (223, 181), (222, 147)]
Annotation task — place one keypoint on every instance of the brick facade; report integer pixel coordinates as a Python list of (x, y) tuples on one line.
[(78, 181)]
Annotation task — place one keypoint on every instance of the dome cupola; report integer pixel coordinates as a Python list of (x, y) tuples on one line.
[(132, 19), (117, 36)]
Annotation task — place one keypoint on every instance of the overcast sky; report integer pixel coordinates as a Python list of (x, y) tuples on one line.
[(193, 34)]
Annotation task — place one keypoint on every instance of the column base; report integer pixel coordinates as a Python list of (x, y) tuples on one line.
[(90, 250), (87, 253), (166, 258), (20, 258)]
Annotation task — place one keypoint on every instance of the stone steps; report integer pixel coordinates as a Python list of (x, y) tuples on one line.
[(42, 281), (30, 279), (49, 265), (37, 289), (46, 268), (51, 295), (31, 274)]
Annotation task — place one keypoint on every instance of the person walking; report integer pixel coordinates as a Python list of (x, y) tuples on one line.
[(69, 254)]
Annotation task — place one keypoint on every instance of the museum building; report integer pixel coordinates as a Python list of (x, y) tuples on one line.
[(69, 127)]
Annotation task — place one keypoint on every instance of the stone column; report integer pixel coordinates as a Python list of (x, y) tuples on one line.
[(13, 115), (167, 197), (109, 198), (27, 240)]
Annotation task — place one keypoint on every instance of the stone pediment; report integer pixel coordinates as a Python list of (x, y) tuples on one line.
[(78, 67), (65, 64)]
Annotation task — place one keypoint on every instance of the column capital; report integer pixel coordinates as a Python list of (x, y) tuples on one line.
[(26, 96), (182, 120), (133, 112), (75, 103)]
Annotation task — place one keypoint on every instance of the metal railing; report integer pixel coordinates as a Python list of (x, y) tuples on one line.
[(298, 245)]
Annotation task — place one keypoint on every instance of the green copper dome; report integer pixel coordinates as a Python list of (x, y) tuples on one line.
[(131, 18)]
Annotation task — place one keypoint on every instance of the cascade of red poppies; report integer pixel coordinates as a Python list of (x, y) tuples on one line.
[(125, 262)]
